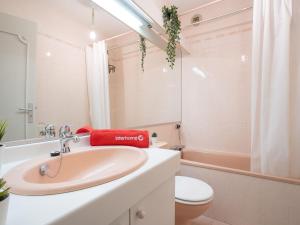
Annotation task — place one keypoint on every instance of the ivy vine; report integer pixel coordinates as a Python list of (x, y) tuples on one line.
[(143, 51), (172, 26)]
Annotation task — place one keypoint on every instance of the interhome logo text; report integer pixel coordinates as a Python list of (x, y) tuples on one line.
[(129, 138)]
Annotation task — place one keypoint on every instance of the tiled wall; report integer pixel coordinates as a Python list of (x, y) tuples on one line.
[(166, 133), (246, 200), (216, 79), (216, 115), (61, 84), (140, 98)]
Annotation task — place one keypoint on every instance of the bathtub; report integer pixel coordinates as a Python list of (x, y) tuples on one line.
[(228, 162), (243, 197)]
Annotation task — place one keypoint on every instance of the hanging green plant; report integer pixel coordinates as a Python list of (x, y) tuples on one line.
[(143, 51), (172, 26)]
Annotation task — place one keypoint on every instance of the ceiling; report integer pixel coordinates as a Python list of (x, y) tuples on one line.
[(81, 11)]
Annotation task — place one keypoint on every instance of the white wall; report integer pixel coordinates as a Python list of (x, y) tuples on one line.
[(61, 84), (216, 79), (166, 133), (142, 98)]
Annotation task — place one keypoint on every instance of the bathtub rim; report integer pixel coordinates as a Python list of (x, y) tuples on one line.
[(241, 172)]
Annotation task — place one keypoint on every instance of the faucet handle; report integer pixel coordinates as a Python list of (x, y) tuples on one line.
[(76, 139), (65, 136), (48, 131), (65, 131)]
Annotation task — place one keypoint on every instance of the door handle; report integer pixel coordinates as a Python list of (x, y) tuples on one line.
[(25, 110), (28, 111)]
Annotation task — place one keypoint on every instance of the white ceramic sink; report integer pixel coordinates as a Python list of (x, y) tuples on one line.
[(74, 171)]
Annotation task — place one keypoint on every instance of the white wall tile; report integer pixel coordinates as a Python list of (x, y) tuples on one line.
[(216, 97)]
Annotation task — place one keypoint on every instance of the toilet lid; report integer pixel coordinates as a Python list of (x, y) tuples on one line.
[(192, 190)]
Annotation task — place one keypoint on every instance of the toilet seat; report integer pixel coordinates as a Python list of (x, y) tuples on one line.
[(192, 191)]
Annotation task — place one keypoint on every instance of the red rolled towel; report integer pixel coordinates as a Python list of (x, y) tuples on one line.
[(85, 129), (135, 138)]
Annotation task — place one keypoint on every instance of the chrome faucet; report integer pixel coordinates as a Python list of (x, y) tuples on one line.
[(48, 131), (65, 136)]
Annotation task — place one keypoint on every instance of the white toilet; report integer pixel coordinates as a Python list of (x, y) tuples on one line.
[(192, 198)]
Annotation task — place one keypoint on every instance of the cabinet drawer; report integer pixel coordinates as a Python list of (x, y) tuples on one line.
[(122, 220), (158, 208)]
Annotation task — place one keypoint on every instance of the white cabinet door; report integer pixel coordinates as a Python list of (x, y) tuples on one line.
[(122, 220), (158, 208)]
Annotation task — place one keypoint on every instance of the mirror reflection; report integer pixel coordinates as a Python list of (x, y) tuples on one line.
[(71, 62)]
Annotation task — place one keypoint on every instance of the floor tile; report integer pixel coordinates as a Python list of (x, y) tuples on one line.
[(203, 220)]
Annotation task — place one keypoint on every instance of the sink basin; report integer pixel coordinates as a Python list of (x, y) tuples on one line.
[(74, 171)]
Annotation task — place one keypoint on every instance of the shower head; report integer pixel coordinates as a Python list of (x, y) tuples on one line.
[(196, 19), (111, 68)]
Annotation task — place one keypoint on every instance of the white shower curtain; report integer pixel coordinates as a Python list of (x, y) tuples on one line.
[(274, 145), (98, 86)]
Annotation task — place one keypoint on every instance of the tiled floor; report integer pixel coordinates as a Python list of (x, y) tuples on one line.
[(203, 220)]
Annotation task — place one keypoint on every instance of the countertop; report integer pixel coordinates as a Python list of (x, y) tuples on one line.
[(100, 203)]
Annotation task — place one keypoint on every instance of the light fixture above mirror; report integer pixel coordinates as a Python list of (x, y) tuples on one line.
[(126, 11), (93, 34), (132, 15)]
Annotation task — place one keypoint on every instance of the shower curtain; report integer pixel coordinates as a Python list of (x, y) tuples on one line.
[(275, 103), (98, 86)]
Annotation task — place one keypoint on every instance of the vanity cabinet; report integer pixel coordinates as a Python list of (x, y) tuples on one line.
[(143, 197), (122, 220), (157, 208)]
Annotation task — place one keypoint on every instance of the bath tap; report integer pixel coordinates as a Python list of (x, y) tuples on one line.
[(65, 136), (178, 148)]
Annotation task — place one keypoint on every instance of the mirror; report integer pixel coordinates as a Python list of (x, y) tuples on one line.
[(43, 69), (137, 98)]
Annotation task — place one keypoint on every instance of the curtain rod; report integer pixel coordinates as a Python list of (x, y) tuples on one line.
[(119, 35), (184, 13), (60, 40), (190, 25), (220, 17), (121, 46), (181, 14), (200, 7), (128, 44)]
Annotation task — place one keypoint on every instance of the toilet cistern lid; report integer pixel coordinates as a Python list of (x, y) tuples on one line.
[(192, 190)]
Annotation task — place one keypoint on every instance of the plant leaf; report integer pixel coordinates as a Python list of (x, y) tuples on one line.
[(143, 48), (172, 26)]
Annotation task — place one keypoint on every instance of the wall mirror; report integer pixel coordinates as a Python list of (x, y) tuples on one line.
[(44, 69)]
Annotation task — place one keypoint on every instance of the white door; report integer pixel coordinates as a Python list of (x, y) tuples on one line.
[(17, 62)]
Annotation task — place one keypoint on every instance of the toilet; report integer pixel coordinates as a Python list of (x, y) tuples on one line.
[(192, 198)]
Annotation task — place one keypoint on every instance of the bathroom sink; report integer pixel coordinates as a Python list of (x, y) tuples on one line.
[(74, 171)]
